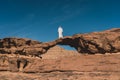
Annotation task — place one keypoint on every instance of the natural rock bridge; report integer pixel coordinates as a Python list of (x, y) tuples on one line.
[(91, 43)]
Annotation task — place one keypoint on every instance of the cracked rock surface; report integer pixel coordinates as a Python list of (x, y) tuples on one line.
[(25, 59)]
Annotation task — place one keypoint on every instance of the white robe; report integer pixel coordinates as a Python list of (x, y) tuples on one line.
[(60, 31)]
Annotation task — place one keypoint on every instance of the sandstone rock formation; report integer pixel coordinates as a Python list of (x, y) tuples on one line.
[(60, 64), (77, 67), (97, 42), (57, 52)]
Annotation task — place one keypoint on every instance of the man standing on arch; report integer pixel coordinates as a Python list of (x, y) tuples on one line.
[(60, 31)]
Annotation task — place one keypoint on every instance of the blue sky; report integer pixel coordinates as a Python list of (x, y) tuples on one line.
[(39, 19)]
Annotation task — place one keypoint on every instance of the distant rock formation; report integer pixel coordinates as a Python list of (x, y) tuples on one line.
[(97, 42), (58, 52)]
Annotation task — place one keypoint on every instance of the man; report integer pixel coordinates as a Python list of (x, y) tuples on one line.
[(60, 31)]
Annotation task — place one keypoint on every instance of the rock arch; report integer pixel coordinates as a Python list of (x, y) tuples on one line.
[(91, 43)]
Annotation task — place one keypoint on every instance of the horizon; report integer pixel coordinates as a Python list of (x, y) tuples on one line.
[(40, 19)]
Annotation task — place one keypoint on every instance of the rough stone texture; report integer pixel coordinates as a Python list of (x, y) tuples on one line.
[(70, 67), (97, 42), (13, 63), (18, 58), (58, 52), (61, 76)]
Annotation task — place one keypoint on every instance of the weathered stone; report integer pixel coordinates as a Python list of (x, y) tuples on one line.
[(91, 43)]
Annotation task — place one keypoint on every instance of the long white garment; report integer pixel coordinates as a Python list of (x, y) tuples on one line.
[(60, 31)]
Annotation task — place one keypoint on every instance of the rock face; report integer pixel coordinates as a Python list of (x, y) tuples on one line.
[(102, 42), (58, 52), (75, 67), (55, 63), (91, 43), (21, 46)]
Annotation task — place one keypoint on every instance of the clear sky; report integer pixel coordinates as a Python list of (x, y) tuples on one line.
[(39, 19)]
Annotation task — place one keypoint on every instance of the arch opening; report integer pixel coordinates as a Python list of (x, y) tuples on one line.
[(67, 47)]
